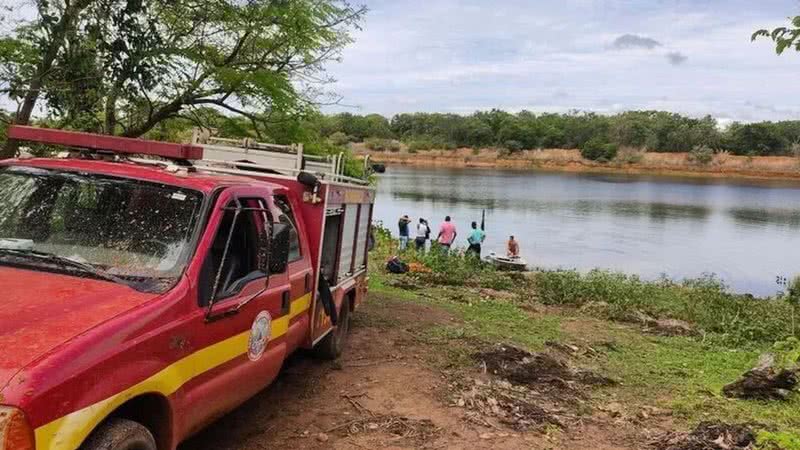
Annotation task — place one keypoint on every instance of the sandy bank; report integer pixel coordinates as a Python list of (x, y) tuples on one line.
[(672, 164)]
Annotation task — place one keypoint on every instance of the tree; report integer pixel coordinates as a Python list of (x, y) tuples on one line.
[(32, 53), (784, 37), (154, 60)]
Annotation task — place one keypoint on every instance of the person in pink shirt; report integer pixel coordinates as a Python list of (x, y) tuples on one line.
[(447, 234)]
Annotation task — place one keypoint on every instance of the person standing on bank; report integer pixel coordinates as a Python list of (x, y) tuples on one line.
[(423, 233), (447, 234), (402, 224), (475, 239)]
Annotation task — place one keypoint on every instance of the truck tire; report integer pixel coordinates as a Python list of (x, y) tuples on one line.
[(121, 434), (332, 345)]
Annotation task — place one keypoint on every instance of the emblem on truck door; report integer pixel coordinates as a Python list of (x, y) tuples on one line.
[(259, 335)]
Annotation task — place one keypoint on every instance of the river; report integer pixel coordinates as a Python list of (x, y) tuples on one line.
[(745, 232)]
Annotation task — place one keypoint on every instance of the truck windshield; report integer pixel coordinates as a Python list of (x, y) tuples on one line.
[(117, 229)]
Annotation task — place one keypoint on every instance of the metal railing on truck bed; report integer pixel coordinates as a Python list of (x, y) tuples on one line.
[(247, 155)]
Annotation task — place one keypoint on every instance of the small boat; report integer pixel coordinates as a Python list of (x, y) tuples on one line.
[(507, 262)]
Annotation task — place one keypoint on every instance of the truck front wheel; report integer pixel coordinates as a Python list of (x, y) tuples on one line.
[(121, 434), (332, 345)]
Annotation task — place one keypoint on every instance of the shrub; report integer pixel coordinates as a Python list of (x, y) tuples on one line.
[(795, 149), (597, 149), (339, 138), (380, 145), (630, 156), (701, 154), (420, 144), (513, 146), (729, 318), (444, 145)]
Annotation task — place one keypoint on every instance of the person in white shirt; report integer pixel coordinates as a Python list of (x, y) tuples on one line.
[(423, 234)]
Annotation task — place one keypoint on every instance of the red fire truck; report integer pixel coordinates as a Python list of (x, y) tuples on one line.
[(147, 288)]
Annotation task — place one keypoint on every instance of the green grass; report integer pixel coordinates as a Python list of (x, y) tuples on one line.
[(680, 374), (683, 375), (726, 318)]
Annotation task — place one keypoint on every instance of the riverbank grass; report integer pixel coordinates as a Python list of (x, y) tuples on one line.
[(682, 375)]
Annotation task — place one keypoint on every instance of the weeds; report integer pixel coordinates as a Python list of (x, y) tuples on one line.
[(777, 441), (701, 155), (728, 318), (380, 145)]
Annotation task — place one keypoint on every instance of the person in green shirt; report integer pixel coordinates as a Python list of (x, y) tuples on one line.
[(475, 239)]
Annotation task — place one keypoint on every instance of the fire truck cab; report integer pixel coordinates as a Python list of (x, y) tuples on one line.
[(148, 289)]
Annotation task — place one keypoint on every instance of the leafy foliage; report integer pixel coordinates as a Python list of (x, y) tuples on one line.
[(597, 150), (125, 66), (784, 37), (651, 130), (787, 352)]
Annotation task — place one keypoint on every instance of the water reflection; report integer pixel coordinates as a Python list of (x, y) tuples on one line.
[(761, 217), (655, 211), (660, 211), (744, 232)]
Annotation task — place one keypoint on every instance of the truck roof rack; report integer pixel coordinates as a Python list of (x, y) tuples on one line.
[(248, 157), (207, 153), (104, 143)]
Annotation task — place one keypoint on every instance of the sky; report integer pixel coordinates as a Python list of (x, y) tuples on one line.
[(688, 56)]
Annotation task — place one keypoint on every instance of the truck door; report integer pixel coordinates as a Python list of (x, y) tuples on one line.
[(300, 273), (243, 310)]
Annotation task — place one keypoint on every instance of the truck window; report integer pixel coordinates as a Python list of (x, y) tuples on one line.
[(286, 216), (330, 247), (226, 273), (133, 232)]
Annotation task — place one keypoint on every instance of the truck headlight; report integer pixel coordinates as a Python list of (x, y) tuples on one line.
[(15, 431)]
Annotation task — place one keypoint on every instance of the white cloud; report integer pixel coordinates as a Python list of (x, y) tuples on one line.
[(676, 58), (635, 41), (458, 56)]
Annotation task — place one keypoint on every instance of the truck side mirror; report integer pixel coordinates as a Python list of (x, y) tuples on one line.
[(279, 248)]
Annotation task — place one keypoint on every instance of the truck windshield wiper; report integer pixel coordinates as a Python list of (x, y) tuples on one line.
[(63, 261)]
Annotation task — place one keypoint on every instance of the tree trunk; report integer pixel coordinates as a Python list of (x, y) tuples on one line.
[(164, 113), (50, 53), (111, 110)]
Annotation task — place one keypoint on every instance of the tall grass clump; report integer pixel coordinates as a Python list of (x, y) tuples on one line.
[(705, 302), (702, 155), (380, 144)]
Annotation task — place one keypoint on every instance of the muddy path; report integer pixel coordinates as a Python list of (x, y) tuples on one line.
[(388, 391)]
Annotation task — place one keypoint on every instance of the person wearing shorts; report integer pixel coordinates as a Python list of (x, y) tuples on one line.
[(475, 239), (447, 234)]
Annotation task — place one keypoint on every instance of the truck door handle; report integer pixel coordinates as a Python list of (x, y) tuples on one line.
[(308, 283), (285, 303)]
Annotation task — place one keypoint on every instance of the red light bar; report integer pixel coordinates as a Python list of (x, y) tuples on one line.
[(104, 142)]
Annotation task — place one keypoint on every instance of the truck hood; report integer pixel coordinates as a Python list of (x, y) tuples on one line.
[(41, 310)]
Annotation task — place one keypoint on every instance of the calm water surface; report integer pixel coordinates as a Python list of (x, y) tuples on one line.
[(746, 233)]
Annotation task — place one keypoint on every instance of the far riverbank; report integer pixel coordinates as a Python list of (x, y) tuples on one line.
[(638, 163)]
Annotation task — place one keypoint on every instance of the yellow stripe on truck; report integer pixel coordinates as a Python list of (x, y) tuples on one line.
[(68, 432)]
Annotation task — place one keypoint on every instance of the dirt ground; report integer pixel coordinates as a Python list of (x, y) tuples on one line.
[(388, 391)]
